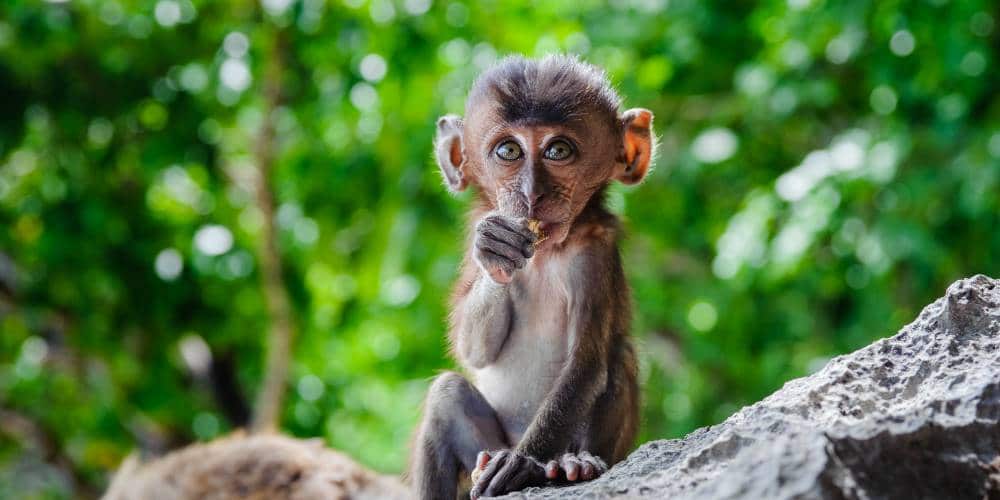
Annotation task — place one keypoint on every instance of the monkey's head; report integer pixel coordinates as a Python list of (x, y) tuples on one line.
[(541, 137)]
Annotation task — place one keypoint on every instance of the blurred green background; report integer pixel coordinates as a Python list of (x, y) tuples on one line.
[(826, 168)]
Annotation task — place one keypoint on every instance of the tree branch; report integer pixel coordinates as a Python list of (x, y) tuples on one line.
[(281, 329)]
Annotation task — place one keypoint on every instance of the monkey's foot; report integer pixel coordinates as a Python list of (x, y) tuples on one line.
[(572, 467), (501, 472)]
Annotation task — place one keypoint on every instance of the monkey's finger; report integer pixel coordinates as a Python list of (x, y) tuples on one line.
[(571, 466), (500, 275), (516, 225), (503, 249), (482, 459), (572, 471), (493, 263), (552, 470), (499, 232), (596, 463), (587, 471), (519, 226), (599, 466), (493, 259), (522, 231), (521, 479), (499, 268), (503, 481), (488, 473)]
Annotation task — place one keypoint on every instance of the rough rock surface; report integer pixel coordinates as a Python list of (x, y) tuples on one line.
[(911, 416)]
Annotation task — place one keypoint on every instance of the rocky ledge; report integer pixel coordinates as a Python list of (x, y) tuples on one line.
[(911, 416)]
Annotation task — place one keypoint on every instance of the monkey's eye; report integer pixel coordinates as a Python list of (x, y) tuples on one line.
[(509, 151), (558, 150)]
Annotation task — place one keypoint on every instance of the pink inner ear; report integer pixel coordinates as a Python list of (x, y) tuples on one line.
[(455, 153), (638, 140)]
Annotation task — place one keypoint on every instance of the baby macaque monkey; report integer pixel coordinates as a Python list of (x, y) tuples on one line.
[(540, 315)]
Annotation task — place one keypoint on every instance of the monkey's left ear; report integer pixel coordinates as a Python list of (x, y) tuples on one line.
[(449, 150), (637, 145)]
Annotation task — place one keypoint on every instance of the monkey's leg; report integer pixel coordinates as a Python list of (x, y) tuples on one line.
[(458, 423)]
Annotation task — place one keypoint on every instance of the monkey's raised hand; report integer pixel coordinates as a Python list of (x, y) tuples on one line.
[(504, 471), (502, 245)]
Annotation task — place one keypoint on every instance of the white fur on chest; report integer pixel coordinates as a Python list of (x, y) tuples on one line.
[(536, 349)]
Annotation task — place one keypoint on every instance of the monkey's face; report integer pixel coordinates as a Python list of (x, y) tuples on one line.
[(543, 171), (547, 171)]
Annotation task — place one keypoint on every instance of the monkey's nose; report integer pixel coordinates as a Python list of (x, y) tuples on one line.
[(531, 194)]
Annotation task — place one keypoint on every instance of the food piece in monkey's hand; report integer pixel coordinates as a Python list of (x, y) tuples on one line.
[(535, 226)]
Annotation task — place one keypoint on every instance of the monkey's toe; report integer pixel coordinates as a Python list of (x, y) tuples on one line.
[(580, 466)]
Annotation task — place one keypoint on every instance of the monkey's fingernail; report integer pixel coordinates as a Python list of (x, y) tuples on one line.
[(482, 459), (572, 471), (552, 470)]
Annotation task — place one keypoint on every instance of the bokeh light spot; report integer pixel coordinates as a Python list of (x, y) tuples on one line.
[(213, 239), (205, 425), (236, 44), (416, 7), (714, 145), (902, 43), (883, 100), (310, 387), (702, 316), (167, 13), (235, 74), (168, 264), (373, 68)]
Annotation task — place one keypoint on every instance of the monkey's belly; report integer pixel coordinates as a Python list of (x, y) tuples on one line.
[(519, 380)]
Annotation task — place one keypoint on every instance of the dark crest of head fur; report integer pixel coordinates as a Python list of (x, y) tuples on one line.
[(554, 89)]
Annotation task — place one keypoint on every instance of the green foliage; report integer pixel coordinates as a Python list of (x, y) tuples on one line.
[(825, 169)]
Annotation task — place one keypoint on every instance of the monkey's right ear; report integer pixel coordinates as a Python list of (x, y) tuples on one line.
[(450, 153)]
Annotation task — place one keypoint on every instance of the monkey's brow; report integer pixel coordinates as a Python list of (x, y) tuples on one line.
[(541, 115), (573, 129)]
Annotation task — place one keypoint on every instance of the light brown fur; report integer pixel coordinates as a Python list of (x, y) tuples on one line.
[(259, 467)]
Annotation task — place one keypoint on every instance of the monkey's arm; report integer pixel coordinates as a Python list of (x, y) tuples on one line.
[(562, 423), (482, 310), (562, 417), (481, 322)]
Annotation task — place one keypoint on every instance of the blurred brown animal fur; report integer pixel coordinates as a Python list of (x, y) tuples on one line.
[(272, 467)]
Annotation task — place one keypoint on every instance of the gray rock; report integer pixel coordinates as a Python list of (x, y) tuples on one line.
[(912, 416)]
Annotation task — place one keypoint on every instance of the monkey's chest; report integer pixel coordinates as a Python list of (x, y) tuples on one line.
[(530, 361)]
